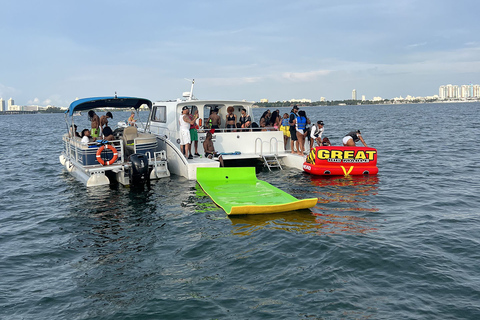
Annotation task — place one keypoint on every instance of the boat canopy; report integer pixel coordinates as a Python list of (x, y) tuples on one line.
[(107, 102)]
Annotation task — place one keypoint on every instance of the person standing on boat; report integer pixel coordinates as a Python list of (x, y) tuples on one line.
[(352, 137), (245, 119), (293, 131), (285, 128), (316, 133), (231, 119), (185, 140), (301, 124), (95, 124), (193, 132), (104, 120), (216, 121)]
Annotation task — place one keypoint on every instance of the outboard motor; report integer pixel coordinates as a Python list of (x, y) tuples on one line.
[(139, 171)]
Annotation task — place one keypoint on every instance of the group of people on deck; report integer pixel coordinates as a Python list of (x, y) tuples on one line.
[(189, 134), (99, 128), (294, 126)]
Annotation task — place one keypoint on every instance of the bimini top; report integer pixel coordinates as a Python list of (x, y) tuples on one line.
[(107, 102)]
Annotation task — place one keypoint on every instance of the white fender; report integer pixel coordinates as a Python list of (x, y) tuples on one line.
[(62, 159)]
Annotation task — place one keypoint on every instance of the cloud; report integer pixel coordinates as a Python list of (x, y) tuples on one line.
[(304, 76)]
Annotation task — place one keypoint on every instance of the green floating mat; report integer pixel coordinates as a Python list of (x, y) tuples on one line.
[(238, 191)]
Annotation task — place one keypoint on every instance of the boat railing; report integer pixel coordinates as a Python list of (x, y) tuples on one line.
[(75, 150), (261, 146), (272, 146), (161, 131)]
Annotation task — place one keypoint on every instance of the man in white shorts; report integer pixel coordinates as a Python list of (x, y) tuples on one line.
[(185, 141)]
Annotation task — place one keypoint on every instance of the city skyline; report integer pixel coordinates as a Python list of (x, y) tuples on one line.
[(446, 92), (249, 50)]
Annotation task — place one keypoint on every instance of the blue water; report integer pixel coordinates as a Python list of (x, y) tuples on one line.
[(399, 245)]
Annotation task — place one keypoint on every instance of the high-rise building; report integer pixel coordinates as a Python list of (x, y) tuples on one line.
[(10, 104), (354, 94), (2, 105)]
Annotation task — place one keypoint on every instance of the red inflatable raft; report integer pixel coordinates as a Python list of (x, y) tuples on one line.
[(341, 161)]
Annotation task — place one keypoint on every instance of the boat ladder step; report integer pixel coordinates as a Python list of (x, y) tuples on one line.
[(271, 161), (160, 167)]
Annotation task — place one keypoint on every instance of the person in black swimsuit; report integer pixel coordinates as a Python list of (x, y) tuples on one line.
[(231, 119)]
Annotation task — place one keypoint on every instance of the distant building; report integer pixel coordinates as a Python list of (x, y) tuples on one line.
[(301, 100), (354, 94), (363, 98), (322, 99), (263, 100), (2, 105), (10, 103), (377, 99)]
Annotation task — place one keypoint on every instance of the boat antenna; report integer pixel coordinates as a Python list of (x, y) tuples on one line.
[(115, 94), (191, 89)]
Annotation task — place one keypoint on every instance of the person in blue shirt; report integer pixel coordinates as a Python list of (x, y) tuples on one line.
[(301, 125)]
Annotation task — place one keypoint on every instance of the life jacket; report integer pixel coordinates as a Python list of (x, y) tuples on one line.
[(294, 116), (285, 123), (301, 123)]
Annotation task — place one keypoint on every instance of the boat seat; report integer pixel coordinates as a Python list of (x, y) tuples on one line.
[(129, 135)]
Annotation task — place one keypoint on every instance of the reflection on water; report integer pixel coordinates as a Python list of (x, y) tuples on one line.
[(300, 221), (344, 194), (337, 194)]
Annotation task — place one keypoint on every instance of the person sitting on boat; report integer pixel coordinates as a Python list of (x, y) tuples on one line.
[(95, 124), (285, 128), (73, 131), (231, 119), (131, 120), (85, 137), (107, 133), (316, 133), (275, 120), (301, 124), (210, 149), (352, 137), (216, 121), (293, 131), (245, 119)]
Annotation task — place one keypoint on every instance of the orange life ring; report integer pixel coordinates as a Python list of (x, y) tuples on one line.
[(108, 162)]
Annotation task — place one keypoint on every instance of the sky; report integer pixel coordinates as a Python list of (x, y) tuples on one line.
[(54, 51)]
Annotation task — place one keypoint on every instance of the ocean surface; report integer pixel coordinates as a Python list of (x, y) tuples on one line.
[(404, 244)]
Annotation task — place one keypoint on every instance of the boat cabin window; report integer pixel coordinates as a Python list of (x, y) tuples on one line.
[(159, 114), (208, 108)]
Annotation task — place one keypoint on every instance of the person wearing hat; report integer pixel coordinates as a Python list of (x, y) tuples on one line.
[(316, 133), (185, 140), (293, 131), (352, 137)]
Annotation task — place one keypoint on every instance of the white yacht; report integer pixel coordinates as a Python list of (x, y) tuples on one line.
[(239, 147), (133, 157)]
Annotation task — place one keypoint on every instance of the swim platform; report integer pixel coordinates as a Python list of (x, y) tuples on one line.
[(238, 191)]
